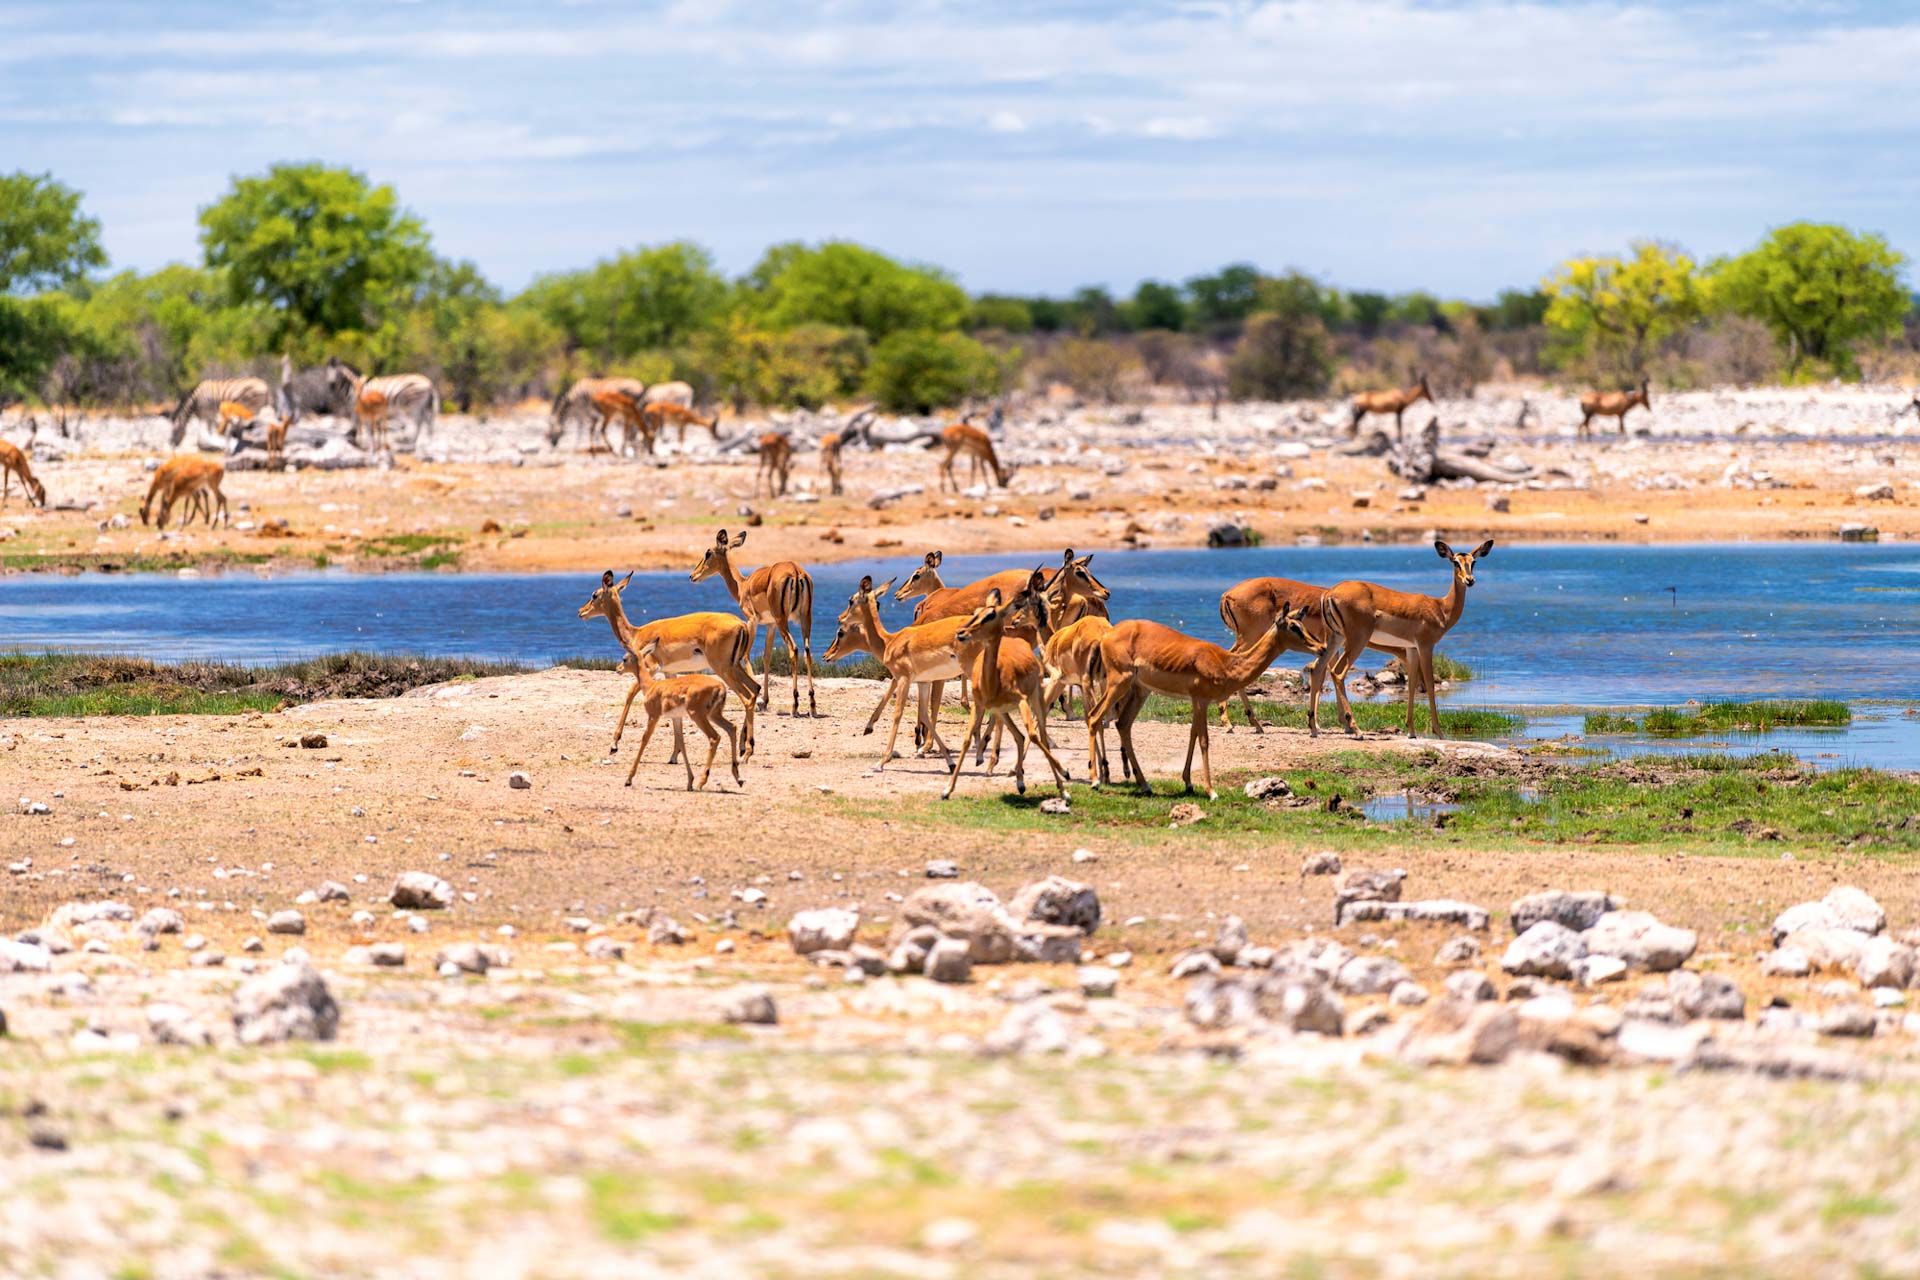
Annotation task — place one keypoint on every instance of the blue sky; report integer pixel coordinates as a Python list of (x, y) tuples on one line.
[(1458, 147)]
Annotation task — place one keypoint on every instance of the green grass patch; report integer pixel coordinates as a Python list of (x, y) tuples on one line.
[(620, 1209), (407, 544), (1610, 722), (860, 667), (1445, 668), (1372, 717), (1724, 717)]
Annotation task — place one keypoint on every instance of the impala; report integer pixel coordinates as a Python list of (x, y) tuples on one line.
[(661, 414), (1394, 402), (13, 462), (1612, 404), (1068, 656), (185, 477), (776, 460), (693, 642), (964, 438), (613, 405), (773, 597), (234, 415), (702, 699), (920, 655), (1361, 614), (1250, 607), (1004, 677), (370, 408), (830, 460), (277, 443), (1138, 657)]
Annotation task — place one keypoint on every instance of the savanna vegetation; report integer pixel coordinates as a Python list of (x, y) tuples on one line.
[(306, 260)]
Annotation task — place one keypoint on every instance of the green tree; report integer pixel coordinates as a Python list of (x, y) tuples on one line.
[(1519, 309), (637, 301), (806, 366), (920, 370), (329, 250), (1282, 355), (1369, 311), (1157, 305), (849, 286), (1821, 289), (1611, 312), (45, 240), (996, 311), (1225, 298)]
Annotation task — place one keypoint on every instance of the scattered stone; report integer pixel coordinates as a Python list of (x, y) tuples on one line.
[(1547, 949), (1428, 911), (1085, 855), (286, 922), (1230, 940), (1059, 901), (1640, 940), (161, 920), (1460, 1032), (828, 929), (963, 909), (1185, 815), (1786, 962), (665, 931), (207, 959), (1577, 911), (1267, 788), (1364, 885), (1033, 1027), (313, 741), (1470, 985), (943, 869), (1098, 982), (1592, 970), (387, 955), (1056, 806), (24, 957), (332, 892), (1881, 492), (290, 1001), (1458, 951), (1885, 963), (1407, 995), (253, 945), (1844, 907), (1324, 863), (172, 1024), (1194, 964), (909, 954), (463, 957), (1706, 995), (421, 891), (605, 949), (1847, 1020), (1365, 1021), (1370, 976), (751, 1006), (949, 960), (1047, 944), (1526, 988)]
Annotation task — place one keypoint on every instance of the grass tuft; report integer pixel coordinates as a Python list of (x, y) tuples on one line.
[(1724, 717)]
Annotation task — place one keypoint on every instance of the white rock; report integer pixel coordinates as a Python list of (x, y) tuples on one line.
[(1547, 949), (827, 929)]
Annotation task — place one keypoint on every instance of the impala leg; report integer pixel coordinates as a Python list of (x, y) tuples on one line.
[(680, 746), (1037, 730), (900, 690), (806, 649), (1340, 669), (652, 722), (1433, 703), (1195, 727), (1019, 750), (1097, 717), (1206, 748), (733, 747), (973, 723), (705, 721), (930, 710), (880, 706), (793, 660), (766, 672), (621, 728), (1136, 699)]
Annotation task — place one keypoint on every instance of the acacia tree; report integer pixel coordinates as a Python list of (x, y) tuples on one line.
[(327, 249), (1613, 312), (1820, 289)]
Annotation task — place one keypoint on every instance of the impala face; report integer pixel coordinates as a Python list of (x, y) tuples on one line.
[(606, 596), (923, 580), (1463, 564), (1294, 624), (853, 632), (716, 555)]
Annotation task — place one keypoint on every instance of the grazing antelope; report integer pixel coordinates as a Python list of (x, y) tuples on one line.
[(1005, 676), (661, 414), (776, 460), (185, 477), (1394, 402), (920, 655), (1611, 404), (1249, 608), (1138, 657), (830, 460), (679, 698), (964, 438), (13, 462), (693, 642), (370, 409), (1361, 614), (614, 405), (204, 401), (772, 597), (577, 402)]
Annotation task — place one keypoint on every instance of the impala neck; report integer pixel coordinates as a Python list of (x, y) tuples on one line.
[(622, 629), (875, 627), (988, 678), (1454, 603), (1245, 665), (728, 576)]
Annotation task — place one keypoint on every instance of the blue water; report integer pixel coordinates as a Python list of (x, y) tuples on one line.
[(1589, 625)]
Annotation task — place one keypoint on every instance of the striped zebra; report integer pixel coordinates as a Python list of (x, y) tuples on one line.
[(576, 402), (204, 401), (410, 397)]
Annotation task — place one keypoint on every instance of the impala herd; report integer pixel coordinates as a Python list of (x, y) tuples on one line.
[(1018, 642)]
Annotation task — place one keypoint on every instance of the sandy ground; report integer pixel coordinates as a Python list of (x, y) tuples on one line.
[(1702, 466), (567, 1116)]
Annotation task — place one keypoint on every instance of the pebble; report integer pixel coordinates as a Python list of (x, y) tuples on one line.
[(1098, 982), (943, 869), (286, 922), (519, 781)]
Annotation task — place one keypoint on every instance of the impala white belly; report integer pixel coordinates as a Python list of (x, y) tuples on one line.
[(1391, 633), (682, 659)]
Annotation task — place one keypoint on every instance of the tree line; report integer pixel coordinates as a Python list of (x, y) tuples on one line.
[(308, 260)]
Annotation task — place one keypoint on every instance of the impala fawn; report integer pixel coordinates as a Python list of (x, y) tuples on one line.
[(702, 699), (13, 462)]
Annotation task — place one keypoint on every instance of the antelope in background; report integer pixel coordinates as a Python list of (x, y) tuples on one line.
[(1611, 404), (772, 597), (370, 409), (1361, 614), (185, 477), (977, 445), (13, 462), (776, 461), (693, 642), (206, 398), (618, 406), (830, 460), (1394, 402), (661, 414), (703, 699)]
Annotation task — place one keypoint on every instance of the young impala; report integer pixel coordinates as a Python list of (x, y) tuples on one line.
[(702, 699), (661, 414), (774, 597), (186, 477), (776, 460), (1612, 404), (1395, 402), (370, 409), (1138, 657), (1005, 676), (830, 460), (614, 405), (921, 655), (1361, 614), (13, 462), (693, 642)]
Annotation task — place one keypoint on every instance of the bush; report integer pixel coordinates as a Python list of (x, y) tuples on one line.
[(920, 370), (1281, 356), (1095, 368)]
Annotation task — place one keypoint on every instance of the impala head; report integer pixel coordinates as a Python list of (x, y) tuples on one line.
[(1425, 390), (923, 580), (989, 617), (1075, 579), (605, 601), (1293, 625), (855, 634), (716, 555), (1463, 562), (647, 660)]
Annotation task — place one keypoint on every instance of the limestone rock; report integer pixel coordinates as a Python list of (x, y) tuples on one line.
[(751, 1006), (1470, 986), (1366, 885), (1640, 940), (964, 910), (1706, 995), (1428, 911), (1456, 952), (1844, 907), (174, 1025), (1547, 949), (1230, 940), (1058, 900), (949, 960), (1370, 976), (286, 922), (1577, 911), (421, 891), (161, 920), (828, 929), (1786, 962), (290, 1001)]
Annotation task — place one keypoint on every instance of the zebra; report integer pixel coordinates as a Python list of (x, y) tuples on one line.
[(203, 402), (411, 397), (325, 389), (577, 401)]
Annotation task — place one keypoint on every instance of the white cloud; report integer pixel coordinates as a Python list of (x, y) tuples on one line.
[(1006, 122)]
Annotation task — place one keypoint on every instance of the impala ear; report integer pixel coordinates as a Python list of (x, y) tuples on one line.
[(720, 539), (606, 579), (1446, 552), (740, 539), (993, 598), (1483, 549), (885, 587), (1085, 560), (866, 583), (1066, 560), (622, 584), (933, 560)]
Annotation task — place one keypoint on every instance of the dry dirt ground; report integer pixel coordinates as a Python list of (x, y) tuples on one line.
[(567, 1116), (1706, 465)]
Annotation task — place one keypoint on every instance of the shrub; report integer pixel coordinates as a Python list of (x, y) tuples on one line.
[(919, 370), (1281, 356)]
